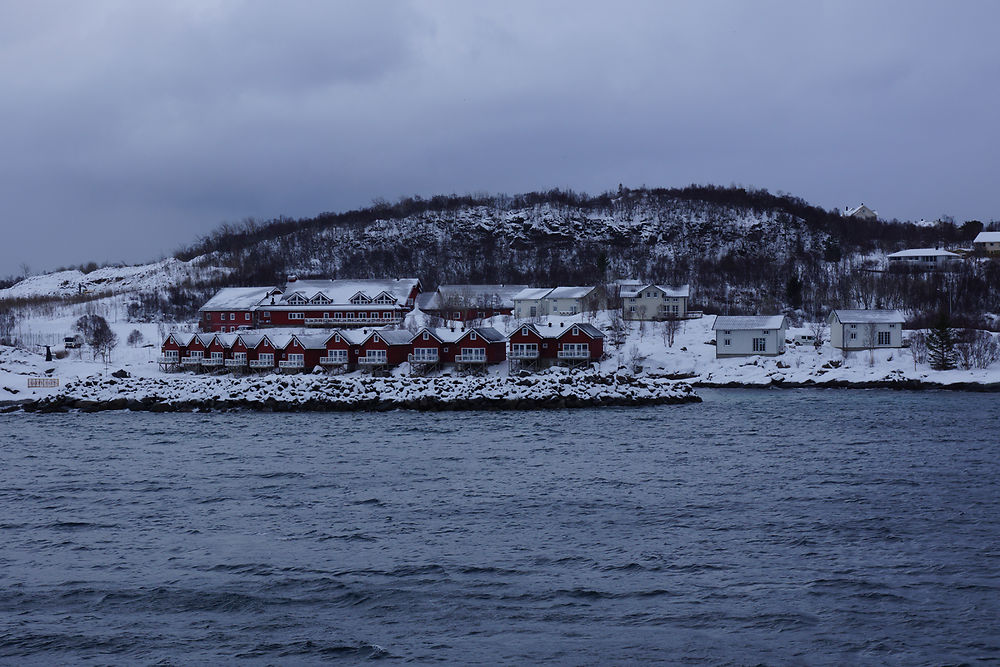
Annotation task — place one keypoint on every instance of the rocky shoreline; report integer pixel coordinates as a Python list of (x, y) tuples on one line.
[(309, 393)]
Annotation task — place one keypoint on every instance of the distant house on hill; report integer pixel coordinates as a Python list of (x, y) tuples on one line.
[(645, 301), (864, 329), (861, 212), (749, 335), (923, 259), (988, 243)]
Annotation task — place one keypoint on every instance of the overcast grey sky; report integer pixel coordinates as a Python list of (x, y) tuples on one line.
[(129, 128)]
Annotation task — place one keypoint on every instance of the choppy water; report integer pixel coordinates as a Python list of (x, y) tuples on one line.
[(810, 527)]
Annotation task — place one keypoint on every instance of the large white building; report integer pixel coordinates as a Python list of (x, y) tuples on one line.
[(987, 242), (923, 259), (865, 329), (749, 335), (541, 301)]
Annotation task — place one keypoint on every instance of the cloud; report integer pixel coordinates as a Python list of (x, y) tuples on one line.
[(130, 128)]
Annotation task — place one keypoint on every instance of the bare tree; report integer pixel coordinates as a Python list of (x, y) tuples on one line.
[(818, 330), (870, 337), (134, 338), (7, 323), (671, 326)]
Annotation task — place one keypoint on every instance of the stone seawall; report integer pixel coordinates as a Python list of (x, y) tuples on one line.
[(308, 393)]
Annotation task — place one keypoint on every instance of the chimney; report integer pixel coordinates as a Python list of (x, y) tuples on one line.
[(550, 325), (562, 324), (462, 329)]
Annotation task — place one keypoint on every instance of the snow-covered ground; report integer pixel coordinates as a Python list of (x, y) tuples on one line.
[(691, 356)]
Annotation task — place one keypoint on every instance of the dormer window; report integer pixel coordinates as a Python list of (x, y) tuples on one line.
[(576, 331), (336, 339), (377, 339), (360, 298), (524, 331), (426, 336), (472, 336), (296, 300), (319, 298)]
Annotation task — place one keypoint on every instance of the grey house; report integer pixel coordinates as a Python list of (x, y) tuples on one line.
[(749, 335)]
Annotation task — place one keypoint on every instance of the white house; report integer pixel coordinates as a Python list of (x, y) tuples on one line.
[(987, 242), (643, 301), (923, 259), (530, 302), (861, 212), (748, 335), (864, 329), (539, 301)]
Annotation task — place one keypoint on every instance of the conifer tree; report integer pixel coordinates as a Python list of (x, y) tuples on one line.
[(941, 344)]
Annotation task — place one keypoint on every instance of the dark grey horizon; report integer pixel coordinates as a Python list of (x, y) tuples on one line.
[(131, 129)]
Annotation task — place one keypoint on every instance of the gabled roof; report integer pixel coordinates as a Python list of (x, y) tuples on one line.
[(867, 316), (924, 252), (226, 339), (862, 209), (490, 334), (237, 298), (747, 322), (532, 293), (672, 291), (587, 329), (570, 292), (281, 341), (390, 336), (314, 341), (181, 339), (987, 237), (251, 341), (441, 334), (557, 332), (342, 291)]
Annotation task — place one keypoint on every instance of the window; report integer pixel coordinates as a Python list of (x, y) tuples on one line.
[(474, 354), (232, 316), (425, 354), (426, 336), (337, 355), (246, 316), (299, 359), (576, 331), (481, 314), (728, 333), (171, 354), (727, 341), (631, 309), (892, 326), (759, 344), (472, 336), (266, 314), (854, 326), (240, 357), (853, 336), (216, 355), (267, 357), (524, 331), (377, 339), (296, 316), (296, 300), (338, 316), (336, 338), (524, 349), (883, 337), (326, 316)]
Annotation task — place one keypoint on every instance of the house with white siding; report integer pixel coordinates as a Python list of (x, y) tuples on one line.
[(866, 329), (645, 301), (749, 335), (987, 243), (541, 301), (923, 259)]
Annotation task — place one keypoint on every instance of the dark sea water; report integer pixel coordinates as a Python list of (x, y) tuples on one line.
[(777, 527)]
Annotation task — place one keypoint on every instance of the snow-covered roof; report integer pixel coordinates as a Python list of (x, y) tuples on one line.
[(490, 334), (251, 340), (227, 339), (443, 334), (342, 291), (862, 209), (313, 341), (551, 331), (987, 237), (923, 252), (236, 298), (569, 292), (532, 293), (746, 322), (478, 296), (672, 291), (867, 316), (391, 336), (183, 339)]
